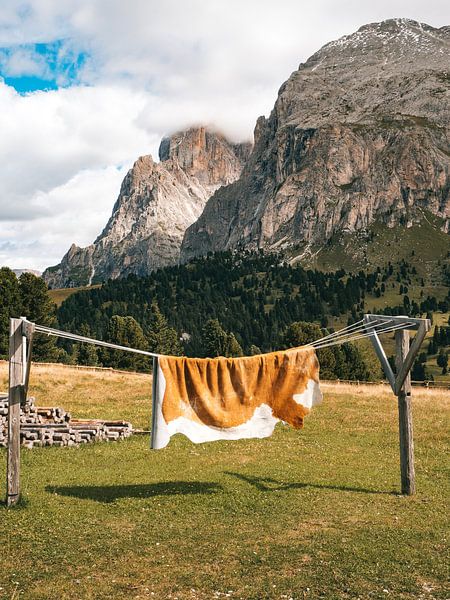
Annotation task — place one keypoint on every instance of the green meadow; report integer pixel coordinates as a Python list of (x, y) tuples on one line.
[(309, 514)]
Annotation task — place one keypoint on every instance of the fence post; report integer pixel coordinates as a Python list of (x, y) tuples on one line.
[(16, 394), (405, 417)]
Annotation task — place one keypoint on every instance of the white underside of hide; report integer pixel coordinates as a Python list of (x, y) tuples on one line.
[(312, 396), (261, 424)]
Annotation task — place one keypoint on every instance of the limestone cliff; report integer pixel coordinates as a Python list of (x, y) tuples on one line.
[(156, 203), (359, 135)]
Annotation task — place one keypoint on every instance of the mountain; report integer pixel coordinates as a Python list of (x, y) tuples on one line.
[(18, 272), (156, 203), (357, 142)]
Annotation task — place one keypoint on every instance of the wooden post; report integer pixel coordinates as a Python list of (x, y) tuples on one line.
[(154, 401), (405, 417), (15, 399)]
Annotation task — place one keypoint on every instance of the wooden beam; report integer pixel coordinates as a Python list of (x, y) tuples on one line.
[(405, 416), (380, 353), (412, 322), (15, 399), (407, 363), (154, 401)]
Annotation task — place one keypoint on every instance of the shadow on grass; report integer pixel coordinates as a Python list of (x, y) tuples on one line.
[(110, 493), (266, 484)]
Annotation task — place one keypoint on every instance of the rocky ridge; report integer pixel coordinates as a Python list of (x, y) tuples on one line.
[(156, 203), (359, 135)]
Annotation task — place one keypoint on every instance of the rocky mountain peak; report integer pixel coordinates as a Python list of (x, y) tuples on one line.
[(358, 138), (156, 203), (359, 135), (394, 67), (204, 154)]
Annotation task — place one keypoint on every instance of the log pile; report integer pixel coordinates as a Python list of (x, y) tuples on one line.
[(53, 426)]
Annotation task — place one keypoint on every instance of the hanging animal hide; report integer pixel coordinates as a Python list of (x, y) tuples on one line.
[(232, 398)]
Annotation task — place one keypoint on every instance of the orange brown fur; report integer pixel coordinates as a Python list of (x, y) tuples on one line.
[(224, 392)]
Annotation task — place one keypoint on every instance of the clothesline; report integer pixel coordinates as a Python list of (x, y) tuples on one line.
[(86, 340), (353, 332), (363, 331)]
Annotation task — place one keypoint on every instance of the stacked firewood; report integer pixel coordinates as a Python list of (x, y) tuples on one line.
[(53, 426)]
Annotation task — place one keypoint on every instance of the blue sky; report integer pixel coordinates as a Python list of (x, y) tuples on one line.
[(41, 66), (87, 86)]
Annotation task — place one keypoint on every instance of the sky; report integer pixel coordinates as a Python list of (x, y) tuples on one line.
[(88, 86)]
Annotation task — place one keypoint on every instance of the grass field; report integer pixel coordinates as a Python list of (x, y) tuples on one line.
[(310, 514), (58, 295)]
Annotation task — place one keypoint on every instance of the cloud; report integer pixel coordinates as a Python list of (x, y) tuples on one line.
[(84, 205), (63, 155), (23, 61), (49, 137), (142, 69)]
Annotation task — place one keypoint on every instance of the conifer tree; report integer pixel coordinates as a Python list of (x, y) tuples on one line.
[(38, 307), (442, 360), (85, 354), (125, 331), (233, 346), (214, 339), (254, 350), (162, 338)]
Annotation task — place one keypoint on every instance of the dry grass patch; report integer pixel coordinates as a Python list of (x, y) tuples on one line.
[(90, 393)]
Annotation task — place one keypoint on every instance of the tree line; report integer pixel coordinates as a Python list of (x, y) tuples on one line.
[(225, 304)]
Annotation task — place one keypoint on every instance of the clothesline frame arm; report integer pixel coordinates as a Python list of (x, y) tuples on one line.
[(422, 326)]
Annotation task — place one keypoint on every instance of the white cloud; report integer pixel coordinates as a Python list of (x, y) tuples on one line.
[(49, 137), (23, 61), (84, 205), (152, 67), (63, 155)]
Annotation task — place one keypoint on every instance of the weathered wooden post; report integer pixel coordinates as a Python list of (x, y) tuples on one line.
[(154, 401), (15, 399), (400, 383), (405, 416)]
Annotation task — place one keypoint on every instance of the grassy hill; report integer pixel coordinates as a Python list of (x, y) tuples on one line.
[(310, 514), (424, 245), (58, 295)]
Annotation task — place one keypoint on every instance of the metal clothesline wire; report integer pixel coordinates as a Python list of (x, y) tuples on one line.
[(350, 333), (357, 325), (79, 338), (373, 326), (365, 330), (343, 334), (356, 328), (368, 334)]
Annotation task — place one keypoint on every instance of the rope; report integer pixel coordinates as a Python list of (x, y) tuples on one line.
[(356, 331), (79, 338), (382, 328), (341, 331)]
